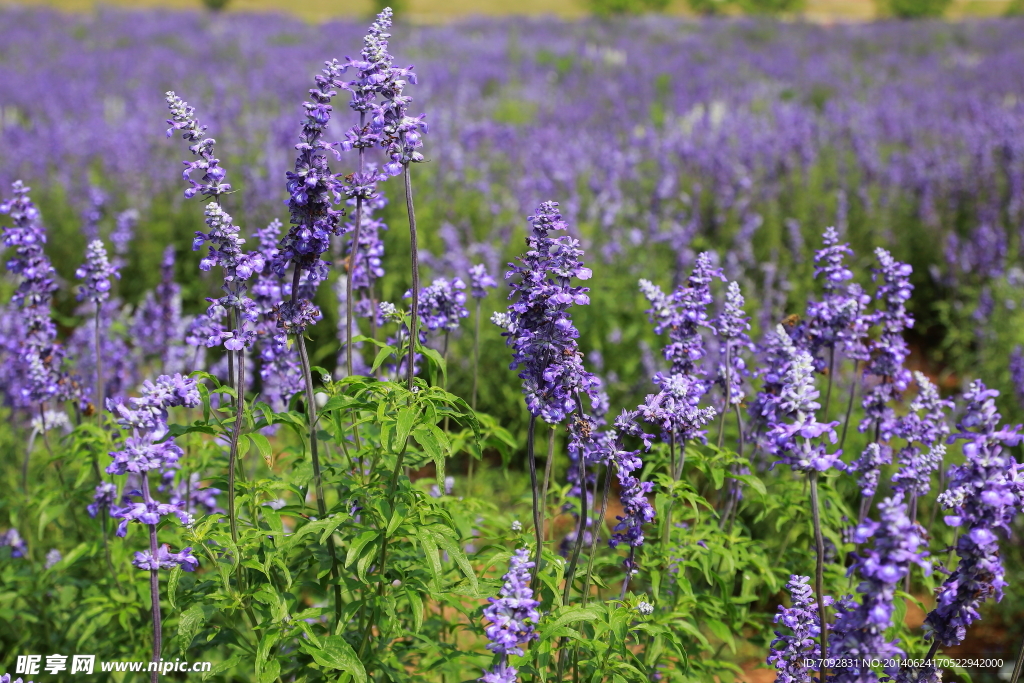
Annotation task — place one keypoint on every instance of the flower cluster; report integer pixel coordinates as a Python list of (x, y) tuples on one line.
[(368, 261), (795, 409), (837, 322), (540, 330), (682, 314), (183, 119), (512, 618), (889, 351), (97, 272), (732, 325), (636, 509), (313, 190), (480, 281), (147, 449), (868, 467), (925, 430), (104, 498), (13, 539), (896, 547), (158, 327), (443, 304), (983, 496), (789, 652), (39, 357)]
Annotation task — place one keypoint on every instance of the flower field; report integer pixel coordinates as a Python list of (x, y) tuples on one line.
[(634, 350)]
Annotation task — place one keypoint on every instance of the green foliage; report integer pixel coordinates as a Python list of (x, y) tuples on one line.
[(216, 5), (626, 7), (916, 9)]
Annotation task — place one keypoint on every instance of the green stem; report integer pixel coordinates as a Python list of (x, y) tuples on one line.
[(414, 257), (538, 523), (321, 503), (476, 356), (819, 572)]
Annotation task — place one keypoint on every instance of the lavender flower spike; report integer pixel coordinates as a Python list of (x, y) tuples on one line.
[(512, 618), (897, 546), (313, 190), (97, 273), (480, 281), (541, 332), (983, 496), (789, 652)]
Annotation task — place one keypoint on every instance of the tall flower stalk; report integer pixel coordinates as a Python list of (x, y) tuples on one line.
[(147, 448), (225, 250), (97, 273), (313, 191), (794, 437), (513, 617), (373, 69), (540, 331)]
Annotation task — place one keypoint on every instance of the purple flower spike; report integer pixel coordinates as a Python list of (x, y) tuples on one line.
[(13, 539), (513, 617), (896, 547), (889, 352), (183, 119), (313, 191), (925, 430), (38, 357), (794, 410), (732, 325), (103, 499), (97, 273), (838, 321), (983, 496), (789, 652), (480, 281), (443, 304), (540, 331)]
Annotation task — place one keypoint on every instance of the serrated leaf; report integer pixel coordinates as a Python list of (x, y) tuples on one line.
[(456, 553), (404, 424), (723, 633), (190, 623), (263, 651)]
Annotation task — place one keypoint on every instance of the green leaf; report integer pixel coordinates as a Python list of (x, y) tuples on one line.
[(722, 632), (263, 651), (382, 355), (191, 623), (356, 549), (336, 653), (262, 444), (172, 584), (568, 615), (456, 552), (406, 420), (221, 667), (416, 606), (431, 553)]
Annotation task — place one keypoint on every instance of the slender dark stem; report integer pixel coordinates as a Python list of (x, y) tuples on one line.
[(538, 523), (629, 572), (154, 586), (99, 366), (580, 533), (849, 405), (819, 572), (24, 461), (476, 356), (598, 525), (321, 503), (831, 378), (667, 524), (352, 255), (1018, 665), (547, 477), (728, 397), (236, 434), (414, 256)]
